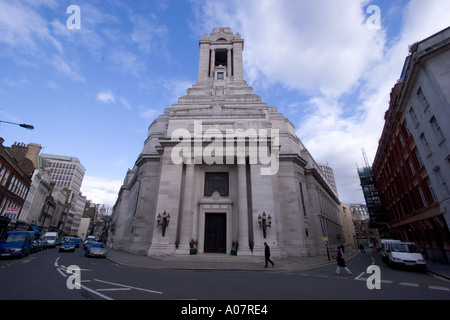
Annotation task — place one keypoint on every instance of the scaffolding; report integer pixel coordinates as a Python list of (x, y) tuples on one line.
[(377, 215)]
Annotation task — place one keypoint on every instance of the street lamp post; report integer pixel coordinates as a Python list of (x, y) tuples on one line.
[(23, 125), (163, 221), (264, 222)]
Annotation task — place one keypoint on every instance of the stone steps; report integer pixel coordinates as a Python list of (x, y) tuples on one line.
[(213, 257)]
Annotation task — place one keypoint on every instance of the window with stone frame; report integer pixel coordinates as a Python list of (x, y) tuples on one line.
[(216, 181)]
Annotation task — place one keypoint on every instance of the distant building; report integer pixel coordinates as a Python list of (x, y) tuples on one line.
[(329, 174), (412, 164), (68, 173), (364, 233), (348, 225)]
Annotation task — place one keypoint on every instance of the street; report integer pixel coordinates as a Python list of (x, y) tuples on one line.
[(44, 276)]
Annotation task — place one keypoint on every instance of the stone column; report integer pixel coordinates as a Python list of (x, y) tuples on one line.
[(238, 67), (187, 215), (203, 65), (229, 63), (213, 62), (243, 211)]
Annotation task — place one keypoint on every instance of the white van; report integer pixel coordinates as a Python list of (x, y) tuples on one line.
[(51, 238), (385, 247), (406, 254)]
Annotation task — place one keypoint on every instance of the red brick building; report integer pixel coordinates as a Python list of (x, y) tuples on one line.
[(404, 187)]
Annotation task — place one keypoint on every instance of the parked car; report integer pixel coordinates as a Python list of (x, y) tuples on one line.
[(406, 254), (44, 244), (67, 246), (76, 241), (16, 243), (96, 249), (89, 240), (36, 246)]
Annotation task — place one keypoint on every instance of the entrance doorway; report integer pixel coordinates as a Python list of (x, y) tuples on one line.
[(215, 232)]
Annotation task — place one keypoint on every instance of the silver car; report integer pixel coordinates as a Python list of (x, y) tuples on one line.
[(97, 249)]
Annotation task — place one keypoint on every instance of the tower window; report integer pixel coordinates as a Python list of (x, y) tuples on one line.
[(219, 75), (221, 58)]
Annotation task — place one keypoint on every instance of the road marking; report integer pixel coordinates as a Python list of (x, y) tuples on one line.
[(408, 284), (125, 286), (439, 288), (114, 289), (96, 293), (358, 277)]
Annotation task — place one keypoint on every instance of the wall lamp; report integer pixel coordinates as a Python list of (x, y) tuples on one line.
[(163, 221), (264, 222)]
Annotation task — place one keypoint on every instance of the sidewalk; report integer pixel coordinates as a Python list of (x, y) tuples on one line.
[(218, 262), (238, 263)]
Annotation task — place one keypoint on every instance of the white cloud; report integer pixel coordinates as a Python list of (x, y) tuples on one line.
[(148, 113), (318, 47), (106, 96), (23, 30), (101, 190), (125, 103), (66, 69)]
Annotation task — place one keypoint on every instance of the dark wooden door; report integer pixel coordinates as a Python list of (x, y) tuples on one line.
[(216, 232)]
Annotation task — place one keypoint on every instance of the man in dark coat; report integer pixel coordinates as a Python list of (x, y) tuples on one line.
[(267, 255)]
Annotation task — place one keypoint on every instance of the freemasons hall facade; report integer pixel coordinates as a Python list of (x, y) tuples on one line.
[(222, 172)]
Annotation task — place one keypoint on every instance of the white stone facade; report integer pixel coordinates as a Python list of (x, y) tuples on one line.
[(425, 102), (220, 136)]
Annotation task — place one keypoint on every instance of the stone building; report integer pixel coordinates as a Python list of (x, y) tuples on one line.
[(221, 170)]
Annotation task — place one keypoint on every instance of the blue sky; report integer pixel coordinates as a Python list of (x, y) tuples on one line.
[(92, 92)]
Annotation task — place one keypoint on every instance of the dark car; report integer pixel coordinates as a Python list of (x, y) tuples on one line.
[(76, 241)]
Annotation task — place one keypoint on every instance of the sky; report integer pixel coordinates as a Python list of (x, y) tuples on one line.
[(92, 80)]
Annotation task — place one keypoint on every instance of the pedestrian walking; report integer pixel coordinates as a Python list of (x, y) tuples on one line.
[(341, 261), (361, 247), (267, 255)]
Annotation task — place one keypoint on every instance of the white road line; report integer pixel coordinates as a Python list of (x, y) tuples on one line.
[(62, 273), (439, 288), (408, 284), (114, 289), (125, 286), (96, 293), (359, 277)]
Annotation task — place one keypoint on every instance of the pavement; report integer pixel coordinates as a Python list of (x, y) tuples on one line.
[(227, 262)]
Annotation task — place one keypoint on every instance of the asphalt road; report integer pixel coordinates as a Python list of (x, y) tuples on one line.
[(45, 276)]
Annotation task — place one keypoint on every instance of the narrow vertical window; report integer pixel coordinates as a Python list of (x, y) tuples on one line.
[(422, 196), (419, 158), (423, 99), (413, 116), (425, 143), (437, 129), (303, 199), (430, 186)]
